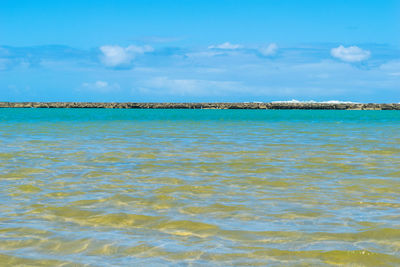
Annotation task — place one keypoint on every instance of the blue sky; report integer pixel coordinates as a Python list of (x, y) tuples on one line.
[(187, 50)]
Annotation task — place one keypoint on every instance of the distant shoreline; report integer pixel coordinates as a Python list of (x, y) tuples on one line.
[(242, 105)]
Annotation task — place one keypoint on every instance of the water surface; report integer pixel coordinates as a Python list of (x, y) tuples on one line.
[(199, 187)]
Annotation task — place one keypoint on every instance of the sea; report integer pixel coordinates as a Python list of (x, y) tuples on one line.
[(160, 187)]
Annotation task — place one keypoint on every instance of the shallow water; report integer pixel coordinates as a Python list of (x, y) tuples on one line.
[(199, 187)]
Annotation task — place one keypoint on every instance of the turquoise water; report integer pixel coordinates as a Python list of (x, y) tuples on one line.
[(199, 187)]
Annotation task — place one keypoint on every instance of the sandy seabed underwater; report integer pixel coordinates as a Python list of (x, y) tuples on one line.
[(199, 187)]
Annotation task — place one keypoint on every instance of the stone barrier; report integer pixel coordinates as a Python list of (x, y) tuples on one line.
[(245, 105)]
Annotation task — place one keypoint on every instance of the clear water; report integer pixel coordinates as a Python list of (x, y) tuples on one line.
[(199, 187)]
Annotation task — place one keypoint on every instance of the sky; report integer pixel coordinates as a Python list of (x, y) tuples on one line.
[(200, 50)]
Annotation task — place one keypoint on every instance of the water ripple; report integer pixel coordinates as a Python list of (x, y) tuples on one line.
[(123, 187)]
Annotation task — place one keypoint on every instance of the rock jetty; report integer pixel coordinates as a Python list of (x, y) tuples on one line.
[(245, 105)]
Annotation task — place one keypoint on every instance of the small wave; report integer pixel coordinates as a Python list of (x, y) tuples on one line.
[(312, 101)]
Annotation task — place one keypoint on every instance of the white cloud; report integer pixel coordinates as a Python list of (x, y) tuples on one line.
[(101, 86), (114, 55), (269, 50), (392, 68), (350, 54), (227, 46), (188, 87)]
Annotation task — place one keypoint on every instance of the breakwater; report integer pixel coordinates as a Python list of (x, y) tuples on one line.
[(244, 105)]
